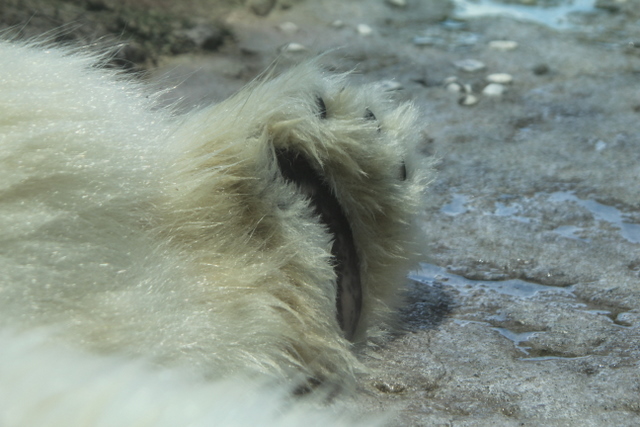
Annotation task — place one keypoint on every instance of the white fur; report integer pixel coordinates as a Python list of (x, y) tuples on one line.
[(47, 386), (130, 234)]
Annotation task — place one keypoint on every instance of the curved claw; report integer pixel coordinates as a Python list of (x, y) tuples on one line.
[(296, 168)]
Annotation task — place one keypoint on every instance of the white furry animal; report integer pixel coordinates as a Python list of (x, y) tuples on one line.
[(165, 270)]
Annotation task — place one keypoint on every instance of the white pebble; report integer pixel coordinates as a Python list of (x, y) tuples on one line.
[(397, 3), (601, 145), (390, 85), (288, 28), (294, 47), (454, 87), (494, 89), (469, 65), (337, 24), (502, 78), (503, 45), (628, 318), (364, 30), (468, 100)]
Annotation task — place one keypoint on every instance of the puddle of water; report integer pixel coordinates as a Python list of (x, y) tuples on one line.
[(430, 273), (630, 231), (569, 231), (555, 16), (511, 211), (517, 338), (457, 205), (513, 287), (545, 358)]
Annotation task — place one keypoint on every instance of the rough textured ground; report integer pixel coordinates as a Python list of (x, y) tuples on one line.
[(528, 312)]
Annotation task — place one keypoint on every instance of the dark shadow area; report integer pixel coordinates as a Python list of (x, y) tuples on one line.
[(426, 306)]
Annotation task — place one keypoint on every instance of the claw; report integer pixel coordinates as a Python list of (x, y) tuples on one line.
[(295, 168)]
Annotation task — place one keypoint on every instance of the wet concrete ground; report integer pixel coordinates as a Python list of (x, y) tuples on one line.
[(528, 310)]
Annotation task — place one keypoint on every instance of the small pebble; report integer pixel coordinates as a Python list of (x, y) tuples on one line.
[(337, 24), (540, 69), (612, 6), (454, 87), (261, 7), (501, 78), (397, 3), (503, 45), (601, 145), (390, 85), (469, 65), (468, 100), (494, 89), (628, 318), (452, 24), (294, 47), (426, 41), (288, 28), (207, 37), (364, 30), (467, 39)]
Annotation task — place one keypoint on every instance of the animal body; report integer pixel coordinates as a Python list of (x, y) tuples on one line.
[(164, 269)]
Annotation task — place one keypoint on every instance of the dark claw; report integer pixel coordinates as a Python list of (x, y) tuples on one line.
[(403, 172), (295, 168), (368, 114), (307, 386), (322, 108)]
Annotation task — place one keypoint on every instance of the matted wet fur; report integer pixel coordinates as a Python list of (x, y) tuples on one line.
[(268, 235)]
